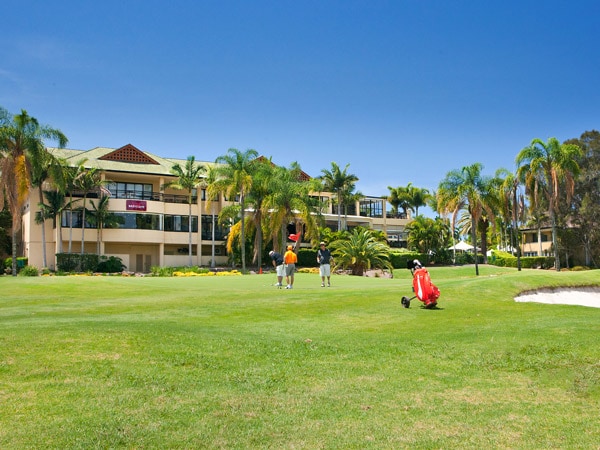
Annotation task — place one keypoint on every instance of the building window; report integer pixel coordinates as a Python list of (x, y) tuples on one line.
[(220, 230), (371, 208), (180, 223), (138, 191), (76, 217), (136, 221)]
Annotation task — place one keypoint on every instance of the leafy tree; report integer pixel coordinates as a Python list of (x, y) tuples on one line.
[(361, 251), (546, 168), (189, 178), (21, 139), (430, 236), (586, 196), (340, 183), (234, 178)]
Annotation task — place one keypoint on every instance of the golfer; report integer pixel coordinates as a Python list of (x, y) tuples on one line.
[(277, 260), (290, 259), (324, 260)]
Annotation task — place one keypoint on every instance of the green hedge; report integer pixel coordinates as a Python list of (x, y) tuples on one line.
[(503, 259), (22, 261), (400, 259), (307, 257), (71, 262)]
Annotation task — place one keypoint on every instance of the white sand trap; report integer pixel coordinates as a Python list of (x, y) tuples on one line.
[(582, 296)]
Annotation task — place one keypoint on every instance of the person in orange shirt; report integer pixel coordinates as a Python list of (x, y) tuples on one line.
[(290, 259)]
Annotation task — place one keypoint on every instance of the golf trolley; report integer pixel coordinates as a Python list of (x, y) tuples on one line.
[(423, 288)]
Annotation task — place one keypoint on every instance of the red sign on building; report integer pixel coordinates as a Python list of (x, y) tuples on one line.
[(135, 205)]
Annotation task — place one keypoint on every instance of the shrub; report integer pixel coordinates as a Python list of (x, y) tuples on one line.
[(29, 271), (22, 261), (158, 271), (111, 264), (400, 258), (70, 262), (307, 257)]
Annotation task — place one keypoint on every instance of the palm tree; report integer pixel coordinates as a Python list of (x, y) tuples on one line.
[(417, 197), (361, 251), (21, 138), (508, 195), (53, 208), (339, 182), (394, 199), (189, 178), (212, 196), (466, 188), (426, 235), (546, 167), (234, 178), (261, 188), (66, 179), (88, 181), (102, 217), (289, 201), (43, 163)]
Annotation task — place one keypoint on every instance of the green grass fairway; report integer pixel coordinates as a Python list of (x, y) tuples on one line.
[(234, 363)]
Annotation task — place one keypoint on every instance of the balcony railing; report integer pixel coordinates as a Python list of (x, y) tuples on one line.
[(141, 195)]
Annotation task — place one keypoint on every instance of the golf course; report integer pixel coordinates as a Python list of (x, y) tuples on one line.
[(232, 362)]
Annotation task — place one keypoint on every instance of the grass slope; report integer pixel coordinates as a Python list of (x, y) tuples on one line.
[(232, 362)]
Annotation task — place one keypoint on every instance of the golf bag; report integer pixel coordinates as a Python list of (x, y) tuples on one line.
[(423, 288)]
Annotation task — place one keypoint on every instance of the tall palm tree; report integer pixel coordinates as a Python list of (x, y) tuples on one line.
[(289, 201), (261, 188), (234, 178), (43, 166), (417, 197), (398, 198), (467, 188), (508, 192), (549, 167), (90, 180), (339, 182), (66, 179), (53, 208), (212, 196), (21, 138), (189, 178), (394, 199), (102, 217)]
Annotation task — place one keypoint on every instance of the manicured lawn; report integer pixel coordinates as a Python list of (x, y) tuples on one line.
[(232, 362)]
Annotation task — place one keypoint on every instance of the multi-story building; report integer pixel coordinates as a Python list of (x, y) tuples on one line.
[(153, 228)]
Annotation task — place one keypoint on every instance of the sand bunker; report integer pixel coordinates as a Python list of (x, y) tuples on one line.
[(582, 296)]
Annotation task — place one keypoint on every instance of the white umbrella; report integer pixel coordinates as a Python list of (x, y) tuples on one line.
[(462, 246)]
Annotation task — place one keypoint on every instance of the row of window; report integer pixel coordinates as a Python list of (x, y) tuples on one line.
[(143, 191), (156, 222)]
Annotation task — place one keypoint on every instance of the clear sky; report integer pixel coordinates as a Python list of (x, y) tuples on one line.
[(403, 91)]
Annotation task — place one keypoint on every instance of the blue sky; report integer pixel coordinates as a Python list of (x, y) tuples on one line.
[(403, 91)]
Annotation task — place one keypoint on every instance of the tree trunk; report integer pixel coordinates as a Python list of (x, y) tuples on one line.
[(14, 251), (41, 193), (474, 242)]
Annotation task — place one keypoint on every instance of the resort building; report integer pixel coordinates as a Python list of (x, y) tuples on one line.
[(537, 243), (153, 228)]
